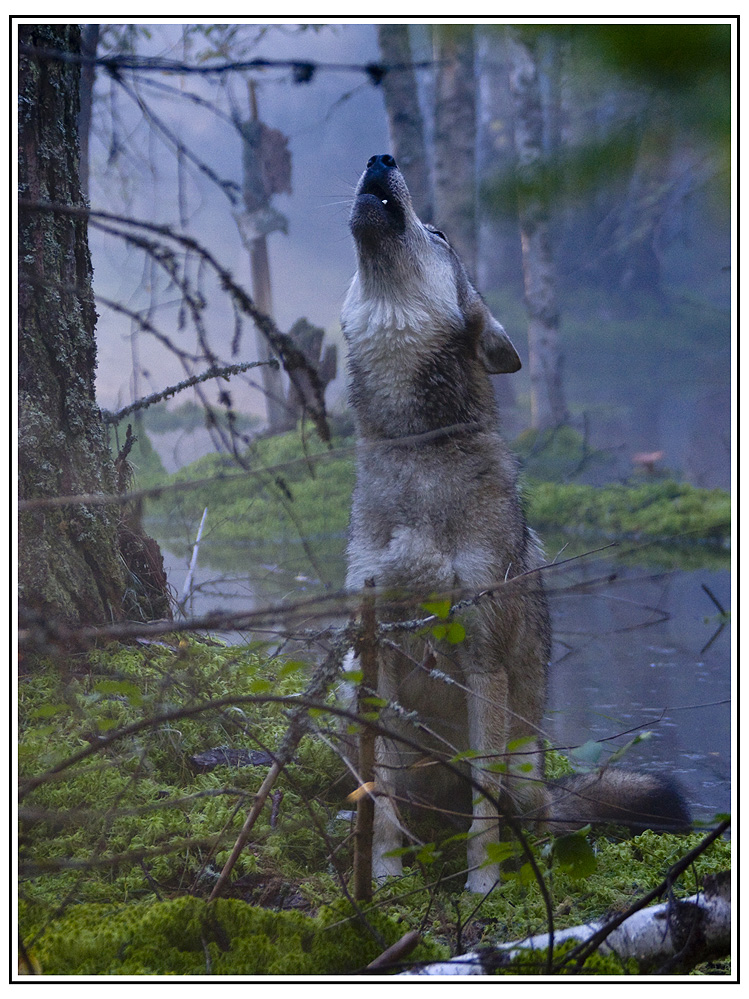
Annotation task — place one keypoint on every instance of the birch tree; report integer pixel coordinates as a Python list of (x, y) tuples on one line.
[(455, 140), (548, 408)]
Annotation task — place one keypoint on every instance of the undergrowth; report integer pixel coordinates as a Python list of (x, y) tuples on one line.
[(120, 851)]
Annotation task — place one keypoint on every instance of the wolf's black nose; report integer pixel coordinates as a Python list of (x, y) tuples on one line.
[(384, 160)]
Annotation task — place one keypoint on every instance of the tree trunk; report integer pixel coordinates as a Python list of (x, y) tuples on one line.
[(258, 185), (278, 420), (548, 407), (405, 122), (455, 140), (499, 261), (71, 568), (637, 261)]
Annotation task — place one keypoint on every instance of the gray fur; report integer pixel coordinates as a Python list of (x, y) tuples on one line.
[(436, 510)]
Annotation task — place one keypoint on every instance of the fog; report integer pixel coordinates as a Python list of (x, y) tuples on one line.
[(334, 124), (626, 392)]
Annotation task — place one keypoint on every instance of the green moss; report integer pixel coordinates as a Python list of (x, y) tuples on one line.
[(668, 510), (298, 499), (142, 795), (295, 499), (120, 851), (536, 963), (189, 936)]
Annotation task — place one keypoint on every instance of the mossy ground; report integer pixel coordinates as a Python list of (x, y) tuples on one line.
[(297, 488), (120, 851)]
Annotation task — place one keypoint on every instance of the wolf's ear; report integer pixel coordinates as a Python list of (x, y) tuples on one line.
[(496, 350)]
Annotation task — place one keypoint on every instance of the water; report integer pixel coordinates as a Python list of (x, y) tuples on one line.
[(637, 648), (637, 652)]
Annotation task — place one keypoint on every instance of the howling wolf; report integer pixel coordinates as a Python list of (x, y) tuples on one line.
[(436, 511)]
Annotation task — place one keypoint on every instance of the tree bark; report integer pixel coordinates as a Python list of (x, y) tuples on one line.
[(405, 122), (455, 140), (548, 408), (72, 569)]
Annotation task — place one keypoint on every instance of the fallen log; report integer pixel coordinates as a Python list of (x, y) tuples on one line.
[(670, 938)]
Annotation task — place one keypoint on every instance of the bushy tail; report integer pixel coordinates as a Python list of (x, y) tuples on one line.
[(623, 797)]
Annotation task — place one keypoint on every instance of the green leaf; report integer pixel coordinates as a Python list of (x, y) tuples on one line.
[(521, 743), (402, 851), (575, 856), (374, 702), (292, 666), (439, 631), (641, 737), (123, 688), (497, 852), (428, 854), (589, 752), (48, 710), (259, 686), (456, 633), (440, 608), (353, 676), (526, 875)]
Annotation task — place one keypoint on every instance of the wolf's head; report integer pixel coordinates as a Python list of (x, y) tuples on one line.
[(408, 274)]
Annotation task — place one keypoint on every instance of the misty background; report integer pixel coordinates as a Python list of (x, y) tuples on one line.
[(630, 390)]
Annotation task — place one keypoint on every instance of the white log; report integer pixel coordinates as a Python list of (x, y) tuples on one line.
[(696, 928)]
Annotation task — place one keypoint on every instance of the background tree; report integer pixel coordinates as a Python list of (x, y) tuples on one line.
[(78, 564), (455, 140), (405, 121), (548, 407)]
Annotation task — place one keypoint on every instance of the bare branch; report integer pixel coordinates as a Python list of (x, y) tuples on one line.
[(292, 358), (212, 372), (303, 70)]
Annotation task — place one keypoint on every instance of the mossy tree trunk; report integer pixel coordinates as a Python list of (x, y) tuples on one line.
[(72, 570)]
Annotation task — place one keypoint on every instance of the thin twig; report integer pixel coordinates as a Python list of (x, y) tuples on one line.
[(193, 560), (299, 724), (212, 372)]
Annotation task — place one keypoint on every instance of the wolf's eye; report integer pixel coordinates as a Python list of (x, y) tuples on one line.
[(436, 232)]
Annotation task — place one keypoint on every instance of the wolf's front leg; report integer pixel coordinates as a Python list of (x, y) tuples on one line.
[(387, 833), (487, 726)]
